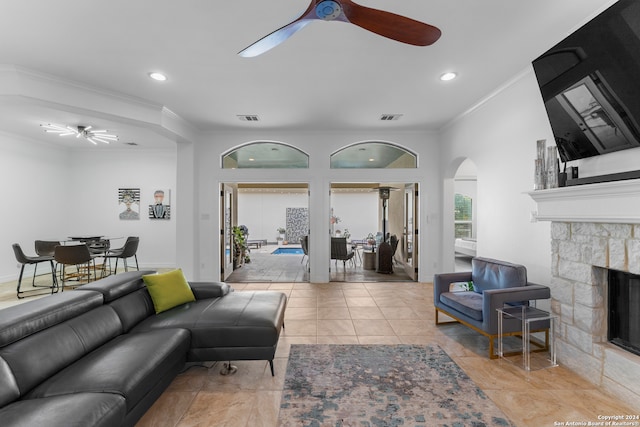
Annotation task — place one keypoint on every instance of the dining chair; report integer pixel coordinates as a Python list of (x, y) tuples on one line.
[(77, 256), (128, 250), (46, 247), (304, 242), (339, 251), (99, 248), (25, 260)]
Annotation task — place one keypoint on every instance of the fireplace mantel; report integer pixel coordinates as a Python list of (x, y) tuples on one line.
[(610, 202)]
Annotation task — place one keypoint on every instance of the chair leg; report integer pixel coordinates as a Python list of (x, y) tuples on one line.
[(35, 271), (491, 355), (54, 284), (135, 256), (62, 273), (126, 266), (20, 281)]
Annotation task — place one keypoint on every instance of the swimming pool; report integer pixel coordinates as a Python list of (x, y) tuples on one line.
[(288, 251)]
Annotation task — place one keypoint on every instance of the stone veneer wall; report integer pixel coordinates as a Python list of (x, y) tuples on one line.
[(581, 253)]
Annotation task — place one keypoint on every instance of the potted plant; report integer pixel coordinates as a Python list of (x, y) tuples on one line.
[(281, 233), (371, 240), (239, 247)]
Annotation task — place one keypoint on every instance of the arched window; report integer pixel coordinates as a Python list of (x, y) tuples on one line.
[(265, 155), (373, 155)]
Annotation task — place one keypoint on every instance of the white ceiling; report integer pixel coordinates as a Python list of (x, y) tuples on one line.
[(329, 75)]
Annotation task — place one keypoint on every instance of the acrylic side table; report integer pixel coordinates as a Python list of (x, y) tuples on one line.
[(533, 320)]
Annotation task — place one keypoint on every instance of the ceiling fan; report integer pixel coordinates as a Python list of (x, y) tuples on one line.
[(386, 24)]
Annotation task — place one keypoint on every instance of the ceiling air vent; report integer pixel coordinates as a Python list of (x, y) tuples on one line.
[(133, 144), (389, 117), (248, 117)]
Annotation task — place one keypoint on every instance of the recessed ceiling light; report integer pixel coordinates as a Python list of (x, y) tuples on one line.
[(448, 76), (158, 76), (372, 160)]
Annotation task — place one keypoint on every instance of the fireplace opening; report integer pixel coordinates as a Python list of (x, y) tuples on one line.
[(624, 310)]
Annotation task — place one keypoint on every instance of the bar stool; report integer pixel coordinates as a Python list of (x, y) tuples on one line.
[(33, 260)]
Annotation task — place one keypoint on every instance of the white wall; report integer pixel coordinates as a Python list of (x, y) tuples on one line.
[(319, 176), (52, 193), (34, 183), (500, 136), (358, 212), (96, 177), (263, 213)]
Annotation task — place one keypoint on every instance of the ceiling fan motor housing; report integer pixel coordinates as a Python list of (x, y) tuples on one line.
[(328, 10)]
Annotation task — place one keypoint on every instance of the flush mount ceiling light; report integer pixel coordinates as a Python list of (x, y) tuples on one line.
[(86, 132), (158, 76), (448, 76)]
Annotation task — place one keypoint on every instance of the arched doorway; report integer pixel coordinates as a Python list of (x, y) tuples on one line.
[(373, 222), (263, 223), (465, 201)]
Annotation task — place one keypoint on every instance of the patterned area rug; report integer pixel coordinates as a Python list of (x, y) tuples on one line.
[(381, 385)]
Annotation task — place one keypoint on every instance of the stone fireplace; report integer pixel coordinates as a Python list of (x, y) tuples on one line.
[(594, 228)]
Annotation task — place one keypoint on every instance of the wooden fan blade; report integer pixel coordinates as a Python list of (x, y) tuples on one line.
[(272, 40), (390, 25)]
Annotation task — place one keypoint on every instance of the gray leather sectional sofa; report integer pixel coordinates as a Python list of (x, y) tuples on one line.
[(100, 356)]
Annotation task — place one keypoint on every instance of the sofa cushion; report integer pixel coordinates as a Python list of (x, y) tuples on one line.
[(129, 365), (133, 308), (117, 285), (489, 273), (468, 303), (239, 319), (168, 290), (71, 410), (25, 319), (39, 356), (203, 290), (9, 390)]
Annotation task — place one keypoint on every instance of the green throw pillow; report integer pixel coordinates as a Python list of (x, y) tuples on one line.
[(168, 290)]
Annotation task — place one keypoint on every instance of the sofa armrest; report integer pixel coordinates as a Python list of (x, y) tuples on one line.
[(442, 281), (203, 290), (494, 299)]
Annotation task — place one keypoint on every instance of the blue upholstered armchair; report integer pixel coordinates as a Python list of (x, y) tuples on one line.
[(495, 284)]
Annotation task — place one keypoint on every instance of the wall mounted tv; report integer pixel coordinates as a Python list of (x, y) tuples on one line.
[(590, 84)]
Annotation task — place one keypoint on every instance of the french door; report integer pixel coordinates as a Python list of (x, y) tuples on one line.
[(410, 231), (226, 235)]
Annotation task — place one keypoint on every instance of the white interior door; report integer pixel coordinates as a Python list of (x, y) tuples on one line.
[(410, 233)]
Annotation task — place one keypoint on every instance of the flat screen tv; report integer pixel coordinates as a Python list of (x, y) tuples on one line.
[(590, 84)]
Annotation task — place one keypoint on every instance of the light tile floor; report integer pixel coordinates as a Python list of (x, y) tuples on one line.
[(367, 313), (373, 313)]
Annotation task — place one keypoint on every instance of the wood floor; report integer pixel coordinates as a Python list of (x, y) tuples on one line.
[(368, 313)]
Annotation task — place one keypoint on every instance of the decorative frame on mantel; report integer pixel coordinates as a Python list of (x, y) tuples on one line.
[(611, 202)]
